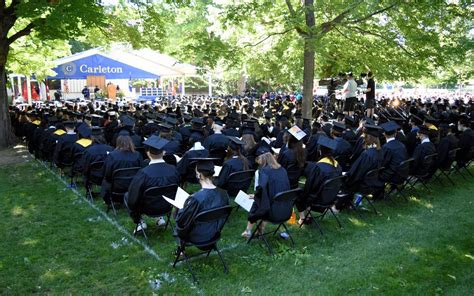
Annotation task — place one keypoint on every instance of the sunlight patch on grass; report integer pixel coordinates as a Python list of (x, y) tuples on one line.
[(357, 222), (54, 274), (30, 242), (414, 250), (422, 202), (18, 211)]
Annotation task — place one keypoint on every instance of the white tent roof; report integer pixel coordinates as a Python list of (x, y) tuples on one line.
[(145, 59)]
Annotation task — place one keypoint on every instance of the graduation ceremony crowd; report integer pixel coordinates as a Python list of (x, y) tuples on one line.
[(341, 160)]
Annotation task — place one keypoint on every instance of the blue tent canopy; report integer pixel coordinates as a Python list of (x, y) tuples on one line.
[(99, 65)]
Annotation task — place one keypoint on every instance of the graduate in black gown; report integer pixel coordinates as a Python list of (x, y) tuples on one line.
[(217, 141), (316, 174), (124, 156), (156, 174), (235, 162), (62, 151), (312, 143), (448, 142), (293, 158), (84, 141), (466, 140), (249, 148), (271, 179), (183, 165), (393, 153), (425, 148), (411, 138), (343, 149), (97, 151), (209, 197), (370, 159)]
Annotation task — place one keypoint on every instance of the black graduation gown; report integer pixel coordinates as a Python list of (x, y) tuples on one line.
[(411, 141), (278, 143), (466, 142), (216, 142), (94, 153), (230, 166), (203, 200), (136, 139), (312, 146), (287, 159), (369, 160), (393, 153), (358, 148), (63, 149), (196, 136), (79, 147), (446, 144), (153, 175), (270, 183), (118, 159), (316, 174), (421, 151)]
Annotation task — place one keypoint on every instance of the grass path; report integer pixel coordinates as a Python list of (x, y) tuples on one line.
[(54, 242)]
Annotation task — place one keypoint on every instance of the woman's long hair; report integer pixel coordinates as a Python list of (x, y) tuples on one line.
[(124, 143), (231, 152), (249, 142), (370, 140), (267, 159), (297, 146)]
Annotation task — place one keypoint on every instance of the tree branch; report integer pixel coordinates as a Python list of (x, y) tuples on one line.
[(329, 25), (268, 36), (366, 17), (10, 10), (384, 38), (23, 32), (293, 15)]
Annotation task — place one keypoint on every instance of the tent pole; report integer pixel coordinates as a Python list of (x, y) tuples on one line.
[(210, 85), (12, 82), (28, 89), (183, 91), (20, 87)]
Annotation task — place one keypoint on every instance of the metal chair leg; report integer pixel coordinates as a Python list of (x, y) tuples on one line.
[(335, 216), (371, 205), (289, 234), (226, 269)]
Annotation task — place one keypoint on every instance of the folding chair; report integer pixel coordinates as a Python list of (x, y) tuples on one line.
[(294, 174), (448, 167), (325, 199), (465, 166), (239, 181), (154, 205), (217, 217), (121, 179), (74, 170), (427, 165), (281, 209), (401, 174), (371, 177), (219, 155), (93, 175)]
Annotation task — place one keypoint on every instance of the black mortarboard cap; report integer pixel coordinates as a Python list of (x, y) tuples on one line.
[(204, 164), (390, 126), (327, 142), (417, 120), (84, 131), (235, 143), (96, 131), (171, 120), (69, 124), (263, 148), (165, 127), (197, 121), (339, 126), (373, 130), (218, 121), (127, 121), (155, 142)]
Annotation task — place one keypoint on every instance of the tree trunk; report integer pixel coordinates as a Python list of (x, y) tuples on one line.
[(6, 137), (308, 64), (308, 79)]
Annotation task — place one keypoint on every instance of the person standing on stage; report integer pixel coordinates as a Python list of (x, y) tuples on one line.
[(370, 95), (349, 91)]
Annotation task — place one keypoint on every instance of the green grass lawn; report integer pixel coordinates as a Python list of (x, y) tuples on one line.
[(53, 242)]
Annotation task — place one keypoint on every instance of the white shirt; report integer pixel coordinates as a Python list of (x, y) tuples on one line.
[(425, 140), (351, 87), (153, 161), (390, 139)]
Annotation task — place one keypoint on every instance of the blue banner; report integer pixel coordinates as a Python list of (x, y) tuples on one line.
[(98, 65)]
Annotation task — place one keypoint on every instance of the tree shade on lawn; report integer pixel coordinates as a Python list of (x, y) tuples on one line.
[(54, 242)]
